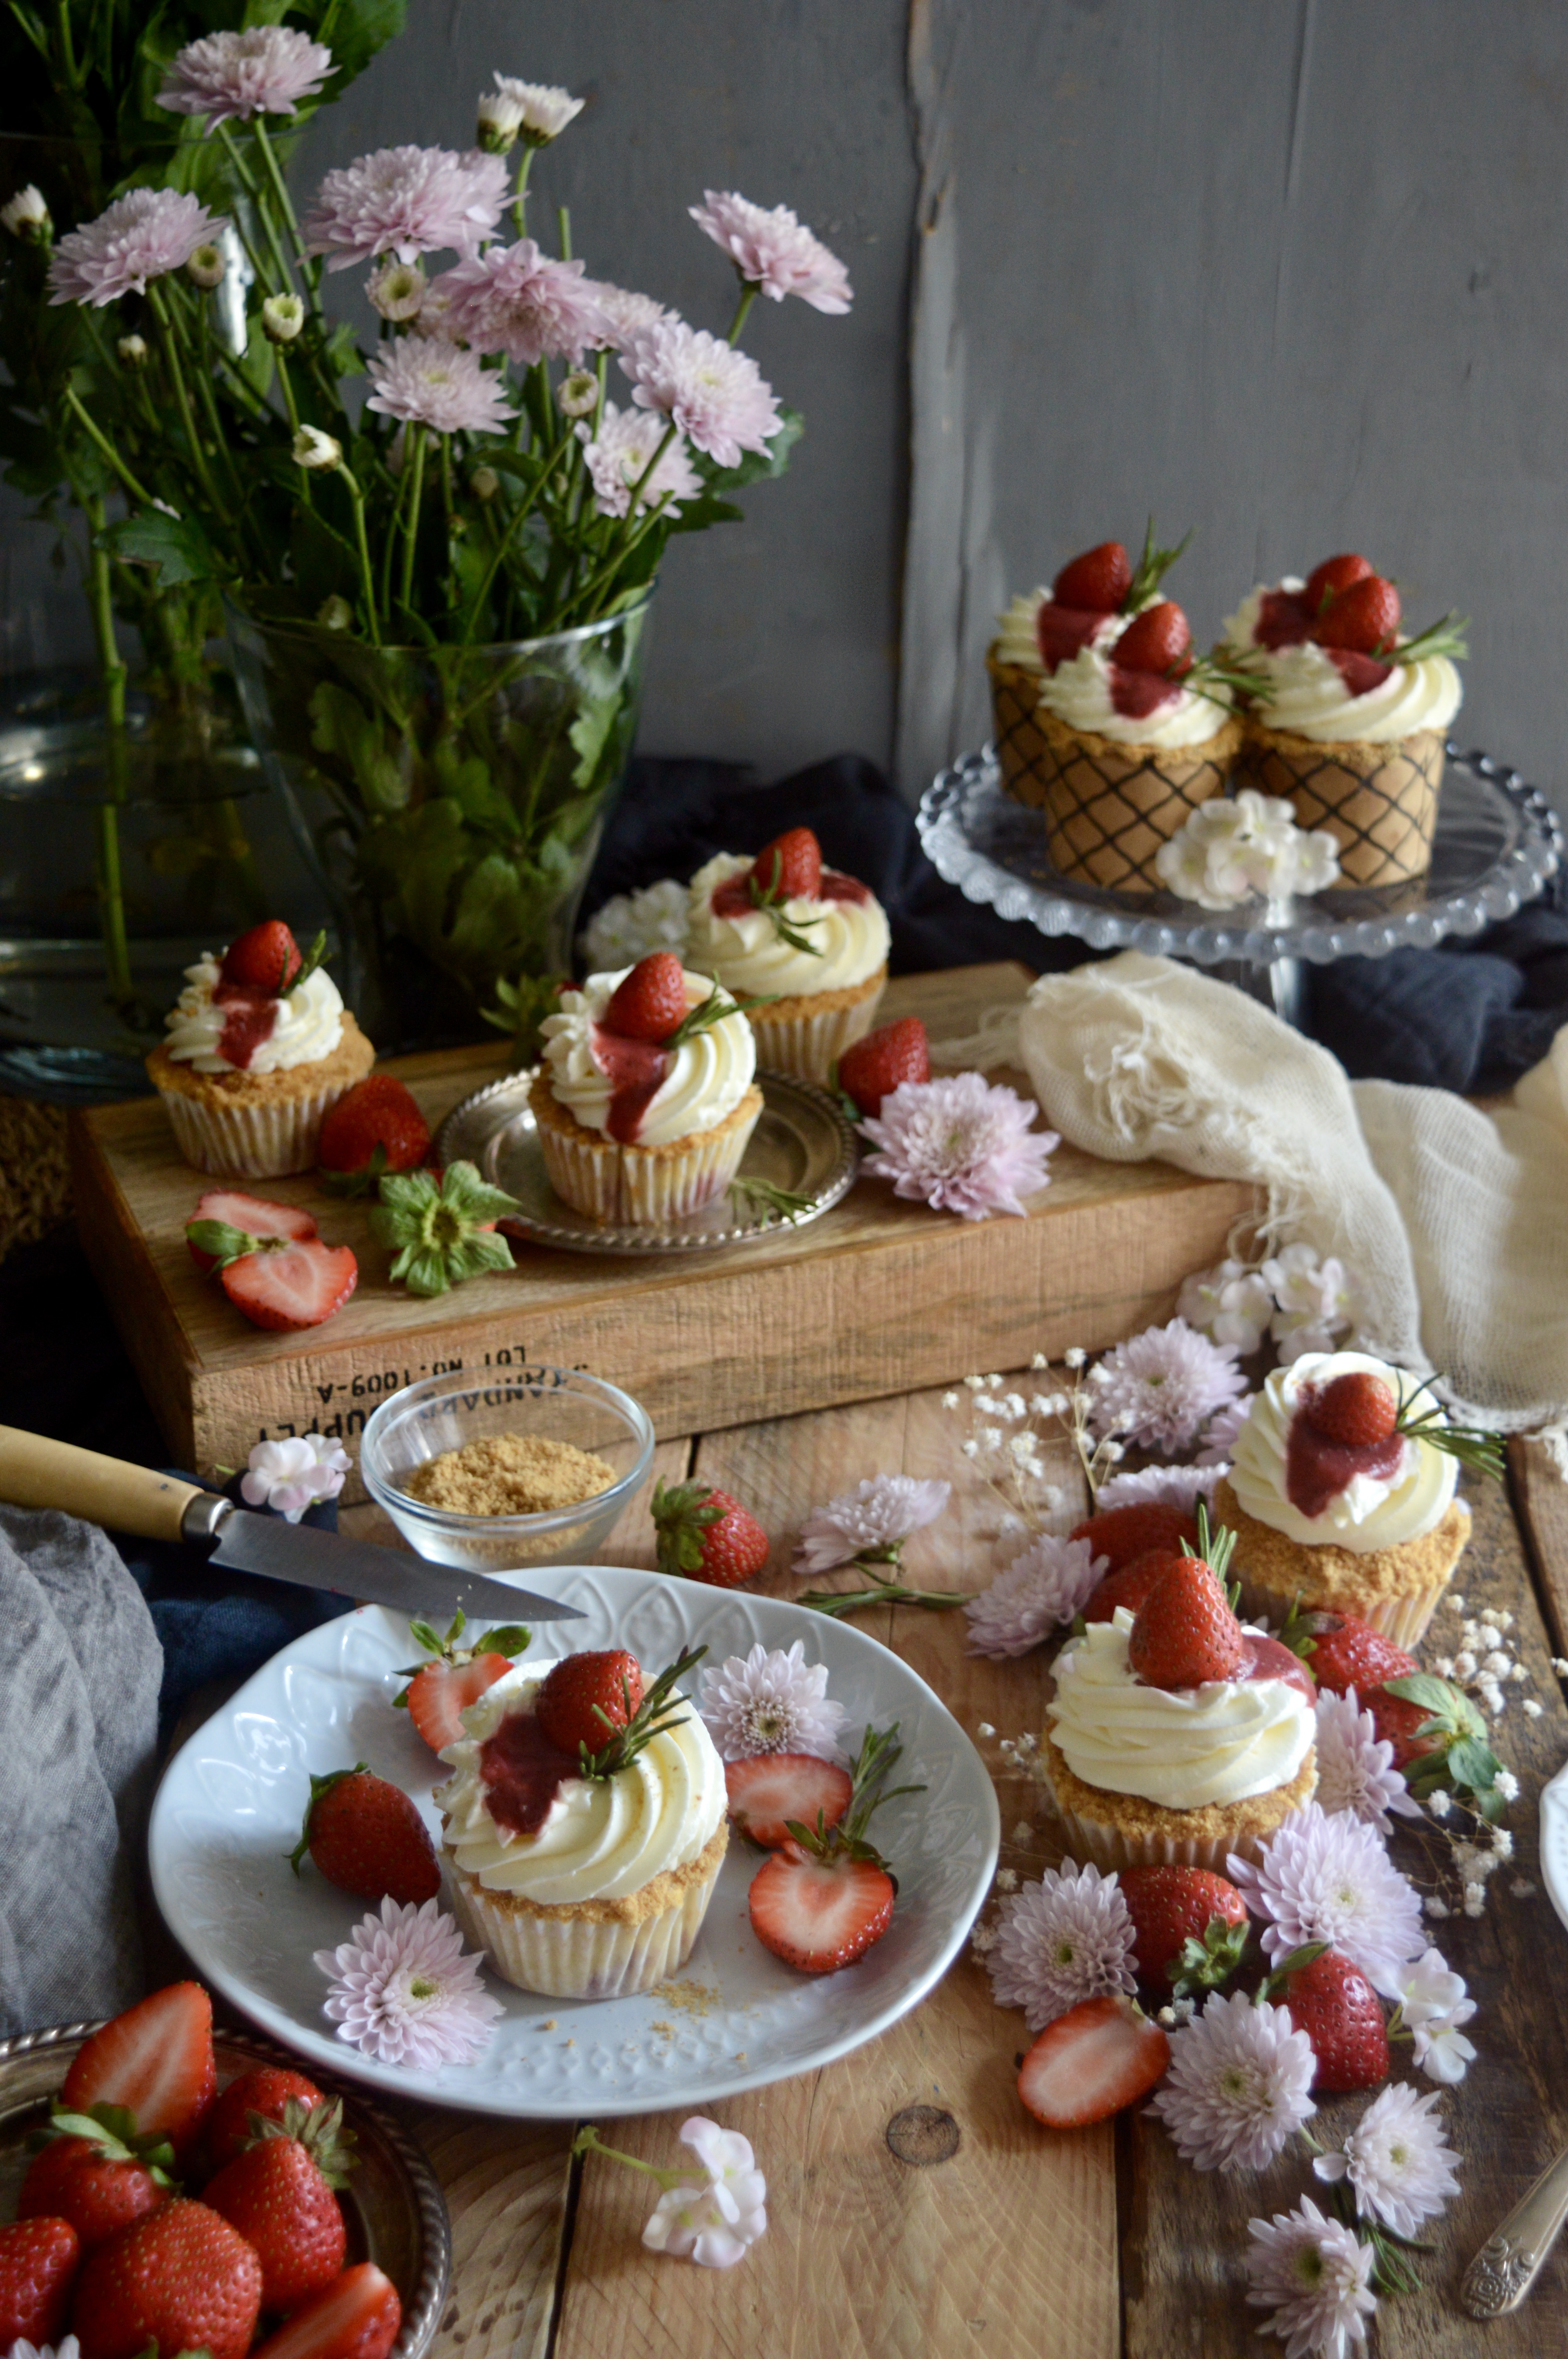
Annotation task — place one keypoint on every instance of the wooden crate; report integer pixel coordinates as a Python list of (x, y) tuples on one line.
[(878, 1297)]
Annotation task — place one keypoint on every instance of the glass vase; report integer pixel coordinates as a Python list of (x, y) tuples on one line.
[(451, 799)]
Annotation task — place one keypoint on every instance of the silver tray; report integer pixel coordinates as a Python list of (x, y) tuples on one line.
[(803, 1143), (396, 2212)]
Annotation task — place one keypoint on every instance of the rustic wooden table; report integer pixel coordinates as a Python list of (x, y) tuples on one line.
[(994, 2235)]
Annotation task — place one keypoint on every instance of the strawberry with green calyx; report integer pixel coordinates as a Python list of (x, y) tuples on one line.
[(439, 1691), (828, 1894), (264, 2093), (603, 1695), (1331, 2001), (788, 869), (1342, 1651), (1185, 1633), (96, 2171), (373, 1128), (440, 1231), (234, 1212), (366, 1837), (1444, 1747), (279, 1278), (1190, 1926), (279, 2192), (268, 960), (705, 1535)]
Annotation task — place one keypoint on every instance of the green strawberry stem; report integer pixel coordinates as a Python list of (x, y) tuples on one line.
[(438, 1230), (319, 1787), (507, 1638), (588, 2141)]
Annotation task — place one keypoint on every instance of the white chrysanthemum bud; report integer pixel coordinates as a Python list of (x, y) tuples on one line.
[(133, 351), (335, 613), (484, 483), (500, 119), (543, 110), (283, 316), (398, 290), (576, 395), (317, 451), (206, 267), (27, 216)]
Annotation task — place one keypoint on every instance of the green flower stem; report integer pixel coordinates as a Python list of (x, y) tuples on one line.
[(836, 1604), (110, 887), (210, 404), (309, 269), (351, 484), (106, 449), (251, 187), (411, 525), (168, 338), (748, 296), (520, 202), (519, 515), (600, 583), (564, 224), (588, 2141)]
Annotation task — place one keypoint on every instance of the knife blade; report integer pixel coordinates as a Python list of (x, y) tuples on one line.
[(395, 1577)]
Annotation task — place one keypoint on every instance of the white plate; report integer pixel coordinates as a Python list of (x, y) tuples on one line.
[(1554, 1841), (231, 1800)]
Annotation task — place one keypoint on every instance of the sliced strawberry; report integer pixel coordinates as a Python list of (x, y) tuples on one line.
[(1185, 1634), (1356, 1409), (438, 1694), (649, 1002), (1331, 2001), (707, 1535), (790, 867), (1118, 1534), (895, 1052), (376, 1127), (1099, 580), (771, 1787), (1345, 1652), (1130, 1584), (255, 1216), (1092, 2061), (264, 2091), (293, 1285), (1365, 618), (357, 2316), (37, 2263), (156, 2061), (266, 959), (819, 1916), (1336, 574), (585, 1697), (1159, 640)]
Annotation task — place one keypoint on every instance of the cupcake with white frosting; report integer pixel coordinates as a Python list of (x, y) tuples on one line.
[(1335, 1501), (804, 943), (645, 1100), (1353, 716), (259, 1047), (584, 1826)]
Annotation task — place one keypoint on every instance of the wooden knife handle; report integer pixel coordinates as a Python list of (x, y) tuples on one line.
[(38, 1473)]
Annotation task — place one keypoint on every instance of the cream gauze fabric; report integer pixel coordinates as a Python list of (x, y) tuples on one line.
[(1454, 1223)]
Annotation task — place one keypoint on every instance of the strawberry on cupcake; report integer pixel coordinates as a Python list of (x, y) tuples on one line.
[(809, 944), (259, 1047)]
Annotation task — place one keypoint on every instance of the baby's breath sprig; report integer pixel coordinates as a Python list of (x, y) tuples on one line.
[(1010, 1434)]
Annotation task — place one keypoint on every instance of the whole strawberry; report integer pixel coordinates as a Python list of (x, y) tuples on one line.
[(1363, 619), (790, 867), (266, 960), (1098, 580), (278, 2192), (586, 1698), (37, 2263), (707, 1535), (649, 1002), (182, 2279), (1406, 1725), (1331, 2001), (367, 1838), (1130, 1584), (1191, 1926), (1342, 1652), (96, 2181), (1357, 1409), (1160, 640), (265, 2091), (1186, 1634), (376, 1127), (1118, 1534), (1325, 582), (356, 2316), (895, 1052)]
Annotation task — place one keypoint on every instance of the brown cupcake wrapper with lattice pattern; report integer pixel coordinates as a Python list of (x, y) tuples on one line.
[(1378, 802), (1109, 807)]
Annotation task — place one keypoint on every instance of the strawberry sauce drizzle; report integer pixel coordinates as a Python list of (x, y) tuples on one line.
[(1317, 1470), (1136, 695), (1282, 619), (1063, 632), (250, 1019), (1268, 1659), (733, 897), (523, 1773), (636, 1071)]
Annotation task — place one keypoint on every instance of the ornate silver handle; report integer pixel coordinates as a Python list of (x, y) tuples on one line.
[(1505, 2268)]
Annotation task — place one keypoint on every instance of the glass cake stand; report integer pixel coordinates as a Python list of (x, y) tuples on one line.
[(1498, 844)]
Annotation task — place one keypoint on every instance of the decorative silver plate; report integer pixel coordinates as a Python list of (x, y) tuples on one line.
[(803, 1143), (1498, 841), (396, 2212)]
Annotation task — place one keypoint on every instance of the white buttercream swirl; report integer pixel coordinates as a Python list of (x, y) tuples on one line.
[(849, 940), (1369, 1513), (602, 1838), (709, 1073), (309, 1024), (1017, 641), (1180, 1747), (1079, 693), (1308, 694)]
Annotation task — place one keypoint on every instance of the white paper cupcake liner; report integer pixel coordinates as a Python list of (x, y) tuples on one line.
[(612, 1183), (579, 1957), (1092, 1840), (265, 1138), (809, 1046), (1403, 1617)]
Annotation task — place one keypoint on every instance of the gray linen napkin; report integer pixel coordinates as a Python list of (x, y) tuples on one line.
[(80, 1666)]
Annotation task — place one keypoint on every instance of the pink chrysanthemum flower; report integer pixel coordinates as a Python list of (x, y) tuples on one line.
[(961, 1144), (429, 382), (869, 1524), (1398, 2160), (1069, 1937), (143, 234), (229, 77), (515, 300), (773, 251), (627, 312), (771, 1701), (405, 1990), (1356, 1766), (1240, 2084), (1330, 1879), (1316, 2276), (1166, 1486), (1220, 1436), (715, 394), (407, 201), (619, 455), (1157, 1388), (1039, 1592)]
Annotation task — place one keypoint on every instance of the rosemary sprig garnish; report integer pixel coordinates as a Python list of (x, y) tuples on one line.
[(1210, 675), (1151, 566), (1443, 638), (879, 1749), (713, 1010), (761, 1194), (1216, 1544), (314, 957), (838, 1602), (769, 899), (1473, 1445), (651, 1717)]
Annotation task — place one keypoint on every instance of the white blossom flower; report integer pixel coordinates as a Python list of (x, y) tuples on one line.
[(298, 1471), (775, 251), (407, 201), (397, 291), (629, 925), (143, 235), (1532, 1709), (1068, 1938), (715, 394), (497, 121), (1315, 2274), (1398, 2160), (1230, 1304), (576, 395), (1166, 1486), (1440, 1802), (315, 450), (771, 1701), (518, 300), (1435, 2007), (1324, 1878), (283, 317), (1157, 1388), (229, 77), (1318, 1300), (67, 2347), (619, 455), (1354, 1765), (1232, 848), (429, 382), (543, 110), (405, 1990), (715, 2224), (1239, 2086), (132, 349), (872, 1521), (1041, 1590), (1507, 1784), (27, 215)]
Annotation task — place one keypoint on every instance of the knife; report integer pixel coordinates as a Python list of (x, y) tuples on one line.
[(38, 1473)]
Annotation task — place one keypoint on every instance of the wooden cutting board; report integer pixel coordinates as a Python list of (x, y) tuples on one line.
[(878, 1297)]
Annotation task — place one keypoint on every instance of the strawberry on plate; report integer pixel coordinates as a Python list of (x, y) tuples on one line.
[(870, 1068), (255, 1216), (266, 959), (707, 1535), (825, 1895), (376, 1127), (771, 1790), (1191, 1926), (366, 1837), (265, 2091), (649, 1003), (357, 2316), (439, 1691), (1095, 2060), (182, 2280), (278, 2191), (91, 2173), (155, 2059), (1118, 1534), (38, 2265), (278, 1279), (1331, 2001)]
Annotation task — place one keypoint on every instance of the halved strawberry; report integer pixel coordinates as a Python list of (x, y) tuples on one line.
[(156, 2061), (771, 1787), (357, 2316), (895, 1052), (815, 1916), (648, 1003), (291, 1285), (1099, 580), (1365, 618), (1118, 1534), (1100, 2056), (1336, 574), (266, 959), (440, 1694), (255, 1216)]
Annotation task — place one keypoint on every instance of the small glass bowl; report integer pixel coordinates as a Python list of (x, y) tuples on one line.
[(558, 1405)]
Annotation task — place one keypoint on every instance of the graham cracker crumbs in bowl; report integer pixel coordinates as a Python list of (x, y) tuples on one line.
[(509, 1474)]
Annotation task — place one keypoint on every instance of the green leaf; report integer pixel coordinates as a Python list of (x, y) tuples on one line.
[(225, 1242), (175, 547), (341, 726), (1472, 1763), (508, 1639), (1448, 1705), (341, 353), (426, 1636), (474, 1198)]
